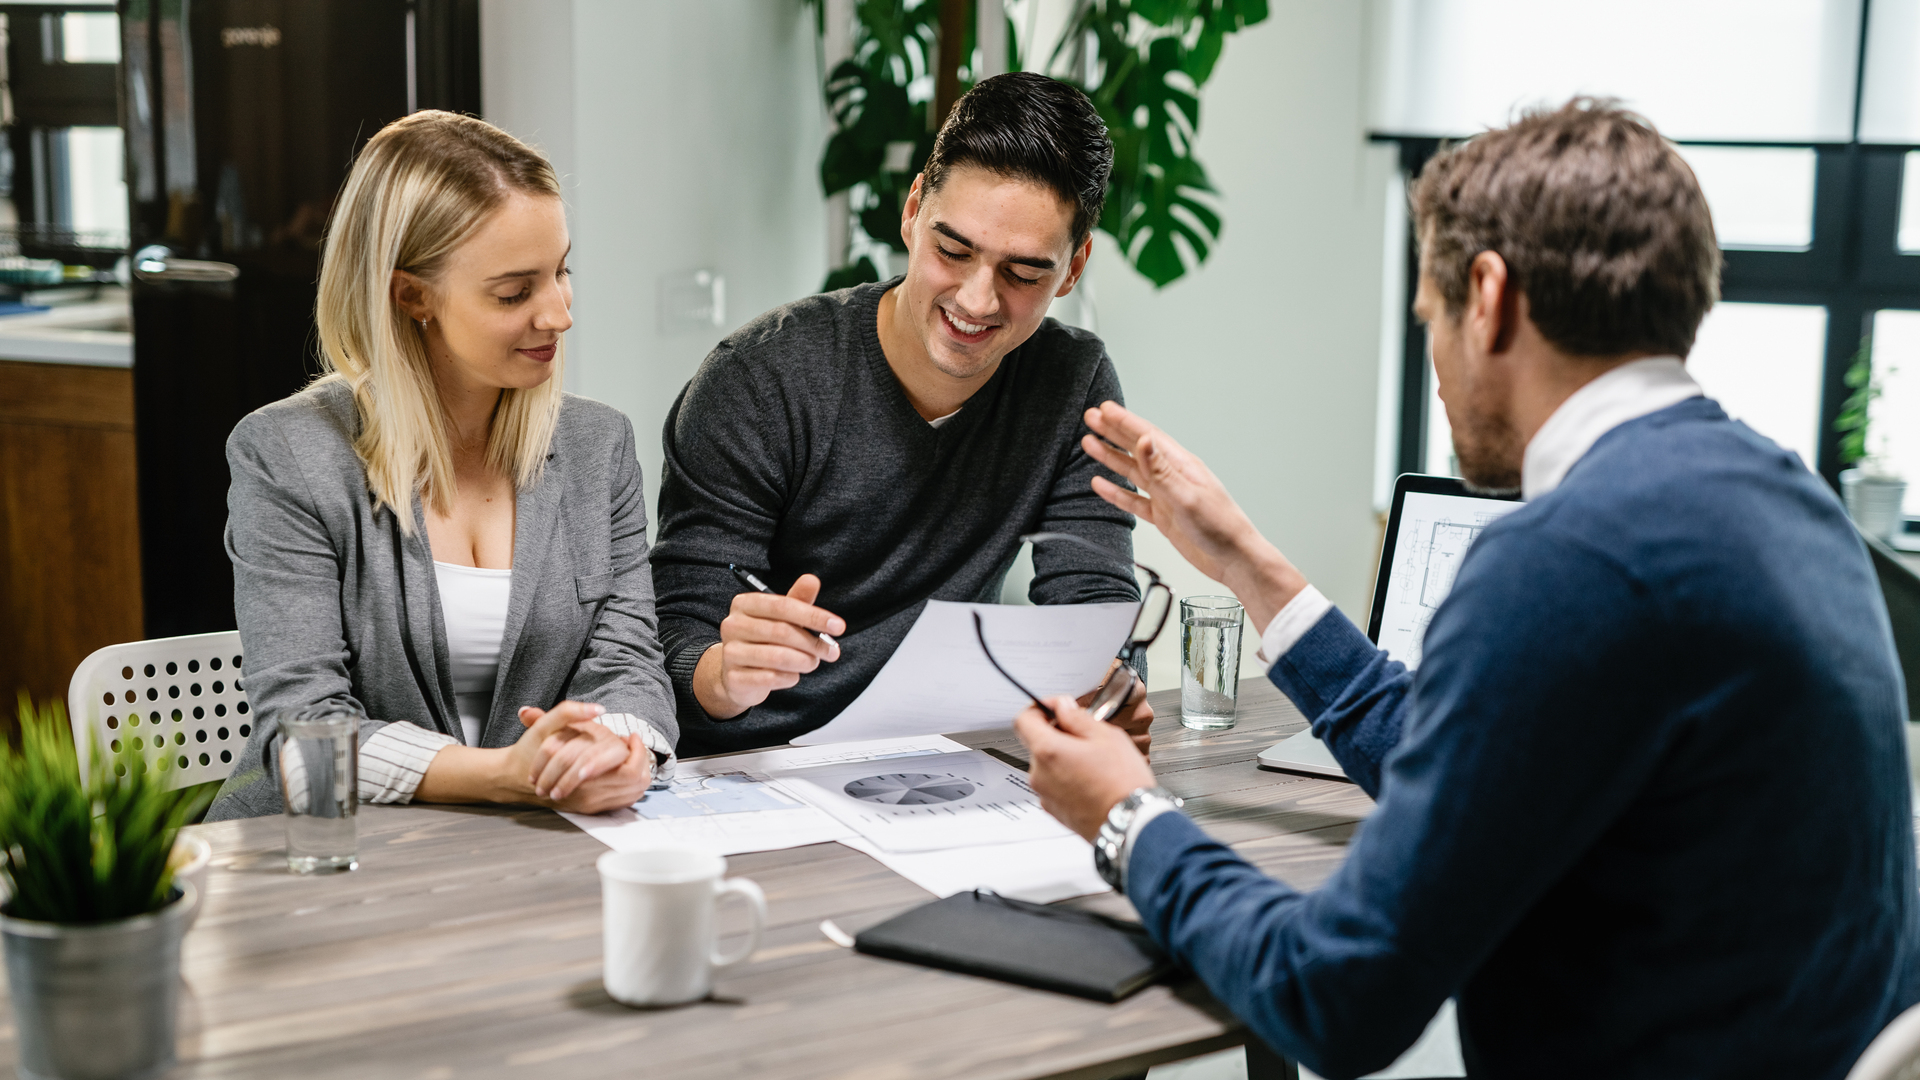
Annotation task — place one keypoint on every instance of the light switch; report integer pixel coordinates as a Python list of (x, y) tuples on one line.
[(692, 303)]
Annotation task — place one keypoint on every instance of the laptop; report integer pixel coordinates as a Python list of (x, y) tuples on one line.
[(1433, 521)]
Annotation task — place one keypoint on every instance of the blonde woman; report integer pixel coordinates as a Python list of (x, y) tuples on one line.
[(433, 535)]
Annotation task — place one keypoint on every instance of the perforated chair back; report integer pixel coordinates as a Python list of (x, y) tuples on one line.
[(176, 698), (1894, 1054)]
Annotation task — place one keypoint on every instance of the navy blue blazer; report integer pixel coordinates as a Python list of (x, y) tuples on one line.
[(1644, 808)]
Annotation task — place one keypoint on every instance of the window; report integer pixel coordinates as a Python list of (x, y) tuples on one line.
[(1763, 363), (1909, 238), (63, 191), (95, 182), (1778, 71), (1762, 198), (1894, 418), (1438, 455), (85, 37), (1816, 203)]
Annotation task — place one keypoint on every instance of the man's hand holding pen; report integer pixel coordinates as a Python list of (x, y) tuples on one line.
[(767, 642)]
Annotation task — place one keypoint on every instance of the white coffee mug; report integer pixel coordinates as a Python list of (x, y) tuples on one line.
[(658, 938)]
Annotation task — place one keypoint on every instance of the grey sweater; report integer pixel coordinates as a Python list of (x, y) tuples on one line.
[(794, 450), (337, 607)]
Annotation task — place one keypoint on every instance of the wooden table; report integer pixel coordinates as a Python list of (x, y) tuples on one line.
[(468, 945)]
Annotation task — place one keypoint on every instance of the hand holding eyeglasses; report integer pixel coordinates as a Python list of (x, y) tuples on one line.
[(1081, 767), (1121, 699), (1130, 713)]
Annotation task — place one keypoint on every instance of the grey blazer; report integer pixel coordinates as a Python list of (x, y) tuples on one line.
[(337, 607)]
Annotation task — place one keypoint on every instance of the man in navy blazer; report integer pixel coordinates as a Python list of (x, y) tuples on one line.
[(1644, 809)]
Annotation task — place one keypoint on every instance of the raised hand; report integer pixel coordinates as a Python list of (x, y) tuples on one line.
[(1191, 507)]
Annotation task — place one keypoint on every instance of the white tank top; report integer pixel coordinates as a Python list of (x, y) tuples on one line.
[(473, 601)]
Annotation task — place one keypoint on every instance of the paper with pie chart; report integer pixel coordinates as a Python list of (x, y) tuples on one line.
[(928, 802), (728, 804)]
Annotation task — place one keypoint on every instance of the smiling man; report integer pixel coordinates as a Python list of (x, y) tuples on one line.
[(870, 449)]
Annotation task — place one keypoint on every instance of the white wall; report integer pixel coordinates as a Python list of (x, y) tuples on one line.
[(526, 58), (689, 135), (1265, 362), (691, 132)]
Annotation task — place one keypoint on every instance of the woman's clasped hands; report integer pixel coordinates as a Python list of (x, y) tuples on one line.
[(569, 760)]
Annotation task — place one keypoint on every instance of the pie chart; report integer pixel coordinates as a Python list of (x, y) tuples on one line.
[(911, 789)]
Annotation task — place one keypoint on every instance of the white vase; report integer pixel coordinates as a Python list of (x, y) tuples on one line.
[(1873, 502)]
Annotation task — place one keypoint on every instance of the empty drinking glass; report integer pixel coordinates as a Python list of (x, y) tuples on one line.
[(1209, 661), (319, 766)]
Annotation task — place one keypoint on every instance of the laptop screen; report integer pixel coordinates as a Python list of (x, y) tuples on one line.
[(1433, 522)]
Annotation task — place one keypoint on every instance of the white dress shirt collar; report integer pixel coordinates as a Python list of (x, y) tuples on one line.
[(1628, 392)]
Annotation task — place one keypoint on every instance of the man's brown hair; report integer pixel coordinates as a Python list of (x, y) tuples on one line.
[(1600, 222)]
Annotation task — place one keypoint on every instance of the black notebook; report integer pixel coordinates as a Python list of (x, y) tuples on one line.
[(1061, 949)]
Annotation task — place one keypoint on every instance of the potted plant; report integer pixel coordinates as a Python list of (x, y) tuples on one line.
[(93, 918), (1873, 488)]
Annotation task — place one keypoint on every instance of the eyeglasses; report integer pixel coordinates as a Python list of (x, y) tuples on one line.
[(1155, 604)]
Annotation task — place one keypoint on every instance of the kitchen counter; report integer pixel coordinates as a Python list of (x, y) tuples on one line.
[(96, 333)]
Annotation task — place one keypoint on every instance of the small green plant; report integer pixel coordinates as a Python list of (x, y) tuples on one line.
[(1856, 413), (74, 852)]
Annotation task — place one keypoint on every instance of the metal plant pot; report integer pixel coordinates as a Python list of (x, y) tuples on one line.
[(97, 1002)]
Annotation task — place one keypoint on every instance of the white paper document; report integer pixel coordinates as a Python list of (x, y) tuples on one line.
[(927, 803), (938, 679), (1040, 871), (729, 805)]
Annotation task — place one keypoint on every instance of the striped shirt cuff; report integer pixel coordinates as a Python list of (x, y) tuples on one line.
[(625, 724), (394, 760)]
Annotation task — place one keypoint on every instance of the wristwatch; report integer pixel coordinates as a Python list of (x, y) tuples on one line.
[(1110, 846)]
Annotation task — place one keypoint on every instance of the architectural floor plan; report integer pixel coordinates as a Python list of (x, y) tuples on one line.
[(1435, 533)]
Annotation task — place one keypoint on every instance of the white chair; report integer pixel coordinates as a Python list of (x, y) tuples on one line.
[(1894, 1054), (176, 698)]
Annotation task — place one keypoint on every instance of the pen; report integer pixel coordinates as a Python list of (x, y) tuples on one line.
[(754, 583)]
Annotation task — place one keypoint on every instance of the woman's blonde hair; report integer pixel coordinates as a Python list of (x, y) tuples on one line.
[(419, 189)]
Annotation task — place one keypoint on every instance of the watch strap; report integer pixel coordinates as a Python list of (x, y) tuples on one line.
[(1113, 845)]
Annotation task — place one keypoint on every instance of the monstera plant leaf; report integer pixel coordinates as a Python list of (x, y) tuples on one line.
[(870, 111), (1154, 57), (881, 138)]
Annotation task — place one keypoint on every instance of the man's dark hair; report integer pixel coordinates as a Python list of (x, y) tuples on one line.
[(1030, 127), (1601, 224)]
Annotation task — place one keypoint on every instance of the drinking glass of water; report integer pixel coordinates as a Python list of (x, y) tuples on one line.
[(1209, 661), (319, 766)]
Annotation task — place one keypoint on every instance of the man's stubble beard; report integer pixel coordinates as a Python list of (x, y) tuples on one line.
[(1490, 452)]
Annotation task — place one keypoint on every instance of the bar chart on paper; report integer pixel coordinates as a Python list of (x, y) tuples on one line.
[(1436, 532)]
